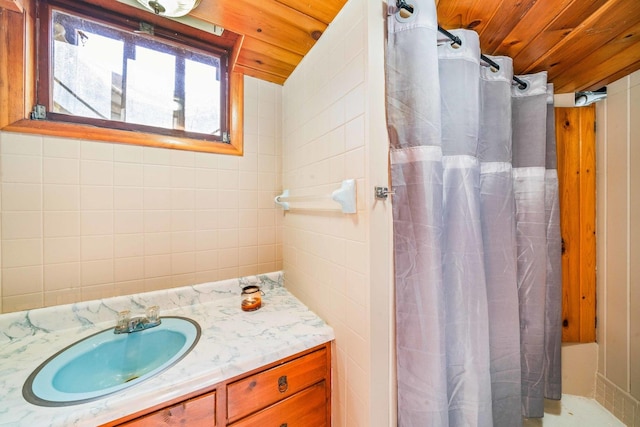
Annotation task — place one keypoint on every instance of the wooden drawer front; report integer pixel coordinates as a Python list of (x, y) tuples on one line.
[(196, 412), (265, 388), (305, 409)]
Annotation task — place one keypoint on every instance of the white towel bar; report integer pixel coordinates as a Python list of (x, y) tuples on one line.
[(345, 196)]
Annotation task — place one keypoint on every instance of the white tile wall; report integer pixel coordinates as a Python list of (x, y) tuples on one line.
[(617, 401), (84, 220), (327, 255)]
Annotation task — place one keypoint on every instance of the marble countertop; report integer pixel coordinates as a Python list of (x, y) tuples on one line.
[(232, 342)]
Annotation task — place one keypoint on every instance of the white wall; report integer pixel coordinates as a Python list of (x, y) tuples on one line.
[(84, 220), (618, 249), (579, 366), (340, 265)]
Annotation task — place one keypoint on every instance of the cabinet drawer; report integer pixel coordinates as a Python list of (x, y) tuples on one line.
[(265, 388), (305, 409), (196, 412)]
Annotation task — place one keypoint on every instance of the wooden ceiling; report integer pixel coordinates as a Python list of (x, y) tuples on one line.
[(583, 44), (277, 33)]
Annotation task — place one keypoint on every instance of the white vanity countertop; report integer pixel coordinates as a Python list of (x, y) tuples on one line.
[(232, 342)]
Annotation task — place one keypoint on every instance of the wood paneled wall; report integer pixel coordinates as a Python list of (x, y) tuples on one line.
[(575, 133)]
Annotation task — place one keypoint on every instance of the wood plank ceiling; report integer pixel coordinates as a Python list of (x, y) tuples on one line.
[(277, 33), (583, 44)]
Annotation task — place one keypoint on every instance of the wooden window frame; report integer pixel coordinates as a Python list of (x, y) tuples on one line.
[(18, 71)]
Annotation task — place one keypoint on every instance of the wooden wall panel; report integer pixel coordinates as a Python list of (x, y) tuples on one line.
[(569, 183), (587, 224), (13, 5), (575, 134), (13, 45)]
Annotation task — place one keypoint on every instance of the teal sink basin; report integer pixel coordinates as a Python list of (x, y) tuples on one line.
[(105, 363)]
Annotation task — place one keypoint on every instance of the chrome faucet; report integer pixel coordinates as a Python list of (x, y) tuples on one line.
[(127, 324)]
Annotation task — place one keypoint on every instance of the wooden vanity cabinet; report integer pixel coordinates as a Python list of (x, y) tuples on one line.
[(293, 392), (265, 388), (196, 412), (304, 409)]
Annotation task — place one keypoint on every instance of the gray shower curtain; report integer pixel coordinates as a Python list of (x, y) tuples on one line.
[(476, 231)]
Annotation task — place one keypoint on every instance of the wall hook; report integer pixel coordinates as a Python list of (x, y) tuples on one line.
[(382, 193)]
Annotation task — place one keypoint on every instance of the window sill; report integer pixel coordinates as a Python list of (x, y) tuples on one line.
[(69, 130)]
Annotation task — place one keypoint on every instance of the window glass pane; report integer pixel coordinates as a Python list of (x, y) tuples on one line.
[(124, 77), (151, 81), (86, 65), (202, 90)]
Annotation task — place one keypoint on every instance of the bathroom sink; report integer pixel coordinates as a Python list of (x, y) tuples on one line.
[(105, 363)]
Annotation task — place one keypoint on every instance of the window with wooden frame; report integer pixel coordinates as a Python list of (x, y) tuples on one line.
[(107, 71)]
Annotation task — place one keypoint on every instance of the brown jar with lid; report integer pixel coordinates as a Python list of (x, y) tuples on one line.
[(251, 298)]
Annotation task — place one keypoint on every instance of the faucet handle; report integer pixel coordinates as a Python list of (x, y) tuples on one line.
[(153, 313), (123, 319)]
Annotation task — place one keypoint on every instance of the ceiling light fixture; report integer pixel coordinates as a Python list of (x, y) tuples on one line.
[(170, 8)]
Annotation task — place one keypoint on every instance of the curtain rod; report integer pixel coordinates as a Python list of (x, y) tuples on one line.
[(402, 4), (521, 83)]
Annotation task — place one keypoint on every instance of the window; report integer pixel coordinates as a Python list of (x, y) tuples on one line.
[(20, 62), (104, 72)]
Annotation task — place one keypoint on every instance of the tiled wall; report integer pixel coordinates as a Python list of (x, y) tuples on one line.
[(339, 264), (618, 249), (83, 220)]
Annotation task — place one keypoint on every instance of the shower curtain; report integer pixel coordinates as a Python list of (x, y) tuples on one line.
[(476, 230)]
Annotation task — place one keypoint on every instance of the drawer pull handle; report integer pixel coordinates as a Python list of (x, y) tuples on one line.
[(283, 385), (283, 425)]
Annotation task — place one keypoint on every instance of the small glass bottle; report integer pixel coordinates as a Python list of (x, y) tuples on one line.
[(251, 298)]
